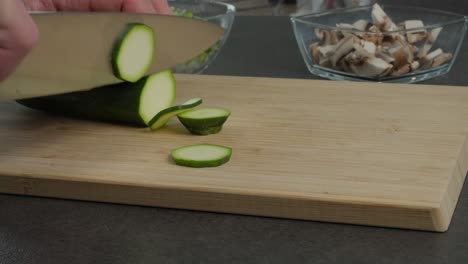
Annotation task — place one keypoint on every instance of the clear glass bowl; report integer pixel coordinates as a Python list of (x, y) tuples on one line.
[(221, 14), (309, 28)]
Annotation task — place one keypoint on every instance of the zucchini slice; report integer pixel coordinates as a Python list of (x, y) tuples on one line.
[(204, 121), (161, 119), (133, 52), (201, 155), (126, 103)]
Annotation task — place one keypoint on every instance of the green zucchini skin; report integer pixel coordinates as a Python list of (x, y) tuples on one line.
[(117, 103), (204, 131), (165, 115)]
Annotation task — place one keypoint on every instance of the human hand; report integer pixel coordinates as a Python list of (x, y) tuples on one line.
[(18, 33), (136, 6)]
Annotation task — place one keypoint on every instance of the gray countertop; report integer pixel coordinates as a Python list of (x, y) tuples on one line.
[(39, 230)]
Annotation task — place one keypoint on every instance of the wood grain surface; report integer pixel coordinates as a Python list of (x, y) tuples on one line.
[(358, 153)]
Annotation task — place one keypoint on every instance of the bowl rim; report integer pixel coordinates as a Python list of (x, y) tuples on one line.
[(230, 9), (458, 18)]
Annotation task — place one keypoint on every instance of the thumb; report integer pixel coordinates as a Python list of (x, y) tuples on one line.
[(18, 35)]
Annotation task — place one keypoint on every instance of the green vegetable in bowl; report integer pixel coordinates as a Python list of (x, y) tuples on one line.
[(196, 64), (181, 12)]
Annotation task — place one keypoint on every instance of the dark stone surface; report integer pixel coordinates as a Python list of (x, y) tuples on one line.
[(38, 230)]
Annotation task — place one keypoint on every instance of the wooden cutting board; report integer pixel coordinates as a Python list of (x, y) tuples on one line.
[(359, 153)]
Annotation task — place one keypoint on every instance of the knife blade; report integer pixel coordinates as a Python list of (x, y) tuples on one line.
[(73, 50)]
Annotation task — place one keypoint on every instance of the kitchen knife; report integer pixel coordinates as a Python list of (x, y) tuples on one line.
[(73, 50)]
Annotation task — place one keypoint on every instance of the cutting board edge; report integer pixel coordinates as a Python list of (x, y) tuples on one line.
[(443, 215), (416, 218), (20, 180)]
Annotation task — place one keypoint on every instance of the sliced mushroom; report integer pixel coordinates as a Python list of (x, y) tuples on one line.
[(396, 46), (424, 63), (414, 49), (374, 35), (362, 25), (372, 67), (369, 46), (414, 24), (381, 19), (358, 56), (407, 49), (441, 59), (409, 53), (343, 65), (361, 51), (377, 48), (402, 70), (434, 54), (342, 49), (415, 35), (378, 15), (314, 51), (401, 26), (346, 30), (353, 58), (415, 38), (415, 65), (385, 46), (345, 26), (428, 60), (387, 72), (383, 55), (329, 38), (400, 56), (326, 51), (325, 63), (424, 50), (388, 38), (401, 53), (431, 39), (319, 33), (374, 38)]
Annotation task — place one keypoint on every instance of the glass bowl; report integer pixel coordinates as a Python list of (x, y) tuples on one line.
[(218, 13), (398, 48)]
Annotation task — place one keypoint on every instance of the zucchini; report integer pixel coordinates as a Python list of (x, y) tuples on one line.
[(163, 116), (204, 121), (133, 52), (201, 155), (128, 103)]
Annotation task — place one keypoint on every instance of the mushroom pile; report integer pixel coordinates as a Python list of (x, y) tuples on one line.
[(379, 48)]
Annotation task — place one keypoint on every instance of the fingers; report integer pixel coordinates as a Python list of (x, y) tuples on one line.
[(74, 5), (18, 35), (105, 5), (134, 6), (147, 6), (39, 5), (138, 6), (89, 5), (162, 7)]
